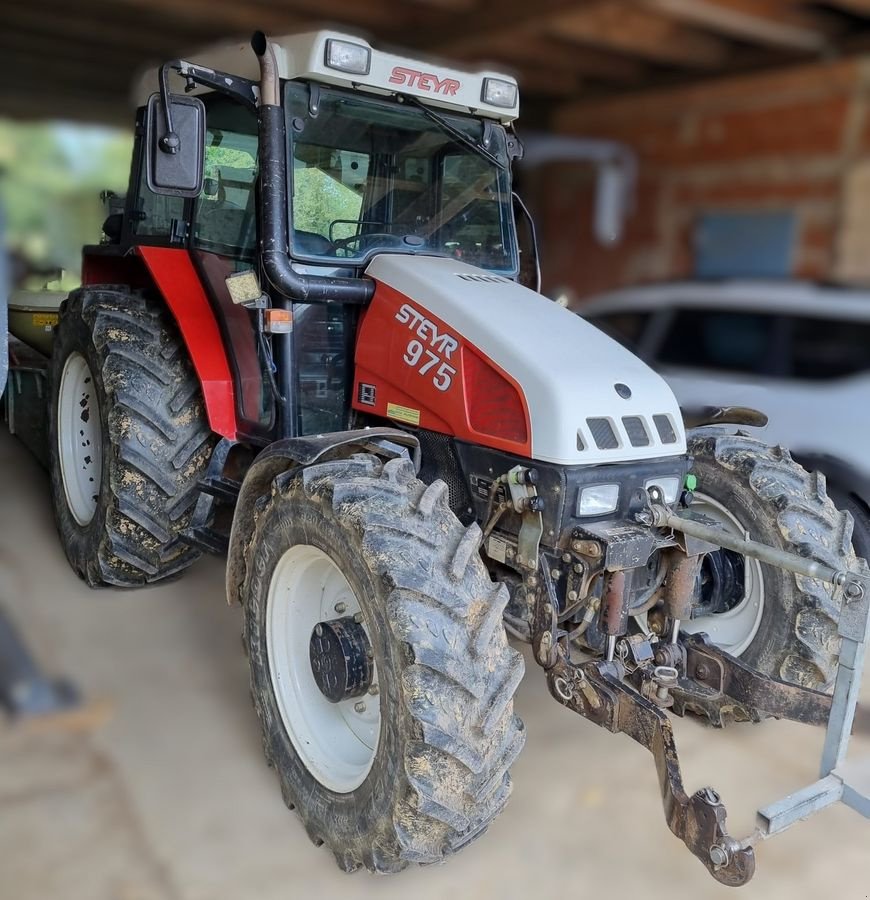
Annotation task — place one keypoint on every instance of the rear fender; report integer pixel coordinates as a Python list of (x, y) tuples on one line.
[(171, 272), (292, 453)]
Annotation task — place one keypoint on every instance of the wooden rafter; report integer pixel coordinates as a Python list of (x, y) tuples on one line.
[(629, 27), (565, 49), (775, 23)]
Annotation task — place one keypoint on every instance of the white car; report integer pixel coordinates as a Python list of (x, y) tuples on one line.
[(799, 352)]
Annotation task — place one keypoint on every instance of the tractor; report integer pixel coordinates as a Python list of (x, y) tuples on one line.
[(313, 340)]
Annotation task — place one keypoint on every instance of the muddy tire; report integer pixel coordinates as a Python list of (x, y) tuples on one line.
[(128, 438), (436, 773), (793, 633)]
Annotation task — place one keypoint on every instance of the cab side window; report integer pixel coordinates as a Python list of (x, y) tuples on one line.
[(154, 215), (225, 216)]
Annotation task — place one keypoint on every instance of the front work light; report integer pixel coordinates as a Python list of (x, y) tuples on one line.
[(598, 499), (499, 93), (345, 56), (670, 487)]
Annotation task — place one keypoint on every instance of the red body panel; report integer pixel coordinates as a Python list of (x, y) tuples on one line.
[(174, 275), (427, 389)]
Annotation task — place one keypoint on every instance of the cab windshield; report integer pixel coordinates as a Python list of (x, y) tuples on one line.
[(371, 175)]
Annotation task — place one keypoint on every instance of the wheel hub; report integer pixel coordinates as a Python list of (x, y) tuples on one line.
[(722, 582), (341, 659)]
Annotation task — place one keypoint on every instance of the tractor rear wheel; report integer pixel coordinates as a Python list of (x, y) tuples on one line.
[(128, 436), (380, 669), (782, 624)]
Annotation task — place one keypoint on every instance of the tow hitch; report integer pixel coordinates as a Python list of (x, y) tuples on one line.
[(631, 692)]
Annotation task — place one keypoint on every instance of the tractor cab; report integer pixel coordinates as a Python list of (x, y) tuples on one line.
[(357, 154)]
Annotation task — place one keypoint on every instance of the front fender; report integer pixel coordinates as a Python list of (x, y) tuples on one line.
[(298, 452)]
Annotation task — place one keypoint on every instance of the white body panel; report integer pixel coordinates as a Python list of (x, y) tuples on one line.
[(303, 56), (566, 367)]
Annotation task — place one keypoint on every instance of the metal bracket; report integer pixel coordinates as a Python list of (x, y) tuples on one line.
[(596, 691), (525, 500), (847, 781)]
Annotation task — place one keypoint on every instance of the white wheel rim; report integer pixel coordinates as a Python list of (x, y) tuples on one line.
[(734, 630), (335, 741), (79, 438)]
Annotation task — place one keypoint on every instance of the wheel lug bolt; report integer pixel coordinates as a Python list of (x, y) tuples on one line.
[(340, 607), (359, 707), (374, 690), (318, 630), (358, 617)]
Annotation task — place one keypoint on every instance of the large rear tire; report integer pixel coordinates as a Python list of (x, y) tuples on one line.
[(424, 769), (128, 437), (787, 623)]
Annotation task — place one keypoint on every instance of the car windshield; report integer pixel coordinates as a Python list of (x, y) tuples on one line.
[(373, 175)]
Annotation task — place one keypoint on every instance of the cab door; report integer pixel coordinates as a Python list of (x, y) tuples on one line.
[(223, 240)]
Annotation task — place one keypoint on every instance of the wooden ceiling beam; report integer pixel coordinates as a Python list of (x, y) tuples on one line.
[(128, 22), (587, 62), (622, 26), (774, 24), (625, 26), (859, 7), (492, 22), (47, 46), (540, 82)]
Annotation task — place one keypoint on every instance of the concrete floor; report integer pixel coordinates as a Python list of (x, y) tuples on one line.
[(170, 798)]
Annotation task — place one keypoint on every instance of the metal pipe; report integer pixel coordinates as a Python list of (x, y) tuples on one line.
[(664, 518), (274, 217)]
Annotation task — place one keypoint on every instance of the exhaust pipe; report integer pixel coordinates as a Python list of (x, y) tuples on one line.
[(274, 216)]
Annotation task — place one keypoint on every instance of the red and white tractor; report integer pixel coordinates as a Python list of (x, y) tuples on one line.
[(304, 342)]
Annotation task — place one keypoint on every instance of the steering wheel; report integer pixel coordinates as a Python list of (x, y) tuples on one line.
[(344, 243)]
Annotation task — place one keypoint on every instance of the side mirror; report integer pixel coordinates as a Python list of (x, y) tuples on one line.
[(174, 156)]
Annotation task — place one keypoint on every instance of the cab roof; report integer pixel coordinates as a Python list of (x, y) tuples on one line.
[(304, 56)]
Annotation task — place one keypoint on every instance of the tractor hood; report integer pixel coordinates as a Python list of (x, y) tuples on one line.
[(589, 400)]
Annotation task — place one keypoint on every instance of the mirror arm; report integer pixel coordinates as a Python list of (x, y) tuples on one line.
[(241, 89), (170, 142)]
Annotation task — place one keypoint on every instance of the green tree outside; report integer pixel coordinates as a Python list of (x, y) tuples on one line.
[(51, 175)]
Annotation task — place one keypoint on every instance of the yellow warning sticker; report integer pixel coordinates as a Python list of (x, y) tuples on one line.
[(45, 319), (403, 413)]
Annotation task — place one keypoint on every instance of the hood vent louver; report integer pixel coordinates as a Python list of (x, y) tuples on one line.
[(636, 431), (603, 434)]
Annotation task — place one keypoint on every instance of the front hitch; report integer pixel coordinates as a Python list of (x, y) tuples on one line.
[(630, 693), (596, 691)]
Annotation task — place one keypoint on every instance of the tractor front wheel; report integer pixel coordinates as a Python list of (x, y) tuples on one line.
[(782, 624), (380, 669)]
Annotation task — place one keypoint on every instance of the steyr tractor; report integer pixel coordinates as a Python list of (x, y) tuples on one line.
[(309, 340)]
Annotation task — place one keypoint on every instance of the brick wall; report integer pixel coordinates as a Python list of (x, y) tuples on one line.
[(784, 140)]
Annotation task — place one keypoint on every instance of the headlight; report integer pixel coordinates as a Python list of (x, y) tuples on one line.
[(499, 93), (670, 487), (347, 57), (598, 499)]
